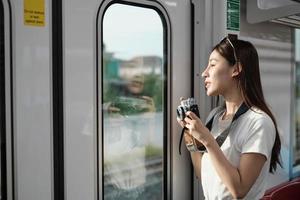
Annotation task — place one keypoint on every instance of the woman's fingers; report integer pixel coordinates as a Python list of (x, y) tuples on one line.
[(192, 121), (182, 123), (189, 123), (188, 126), (188, 120), (191, 115)]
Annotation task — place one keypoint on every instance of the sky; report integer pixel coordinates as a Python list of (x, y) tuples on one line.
[(131, 31)]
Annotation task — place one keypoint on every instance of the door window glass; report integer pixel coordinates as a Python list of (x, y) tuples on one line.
[(133, 98)]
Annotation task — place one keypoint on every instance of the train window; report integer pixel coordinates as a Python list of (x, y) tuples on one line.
[(133, 96), (296, 140)]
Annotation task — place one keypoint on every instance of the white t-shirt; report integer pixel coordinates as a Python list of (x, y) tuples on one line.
[(254, 132)]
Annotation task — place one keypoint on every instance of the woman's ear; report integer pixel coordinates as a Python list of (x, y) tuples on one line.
[(237, 68)]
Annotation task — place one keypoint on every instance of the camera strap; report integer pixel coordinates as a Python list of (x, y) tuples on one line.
[(222, 137)]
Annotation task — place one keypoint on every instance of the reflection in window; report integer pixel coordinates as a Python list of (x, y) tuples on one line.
[(296, 140), (133, 103)]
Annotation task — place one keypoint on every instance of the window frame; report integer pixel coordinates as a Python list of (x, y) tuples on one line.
[(161, 11), (294, 171), (2, 106), (6, 101)]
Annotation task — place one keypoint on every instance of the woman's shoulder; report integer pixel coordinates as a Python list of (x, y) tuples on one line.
[(255, 132), (257, 117), (257, 113)]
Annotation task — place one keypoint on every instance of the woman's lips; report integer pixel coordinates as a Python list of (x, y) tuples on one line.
[(207, 84)]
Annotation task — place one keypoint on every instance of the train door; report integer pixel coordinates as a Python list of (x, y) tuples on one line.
[(126, 64)]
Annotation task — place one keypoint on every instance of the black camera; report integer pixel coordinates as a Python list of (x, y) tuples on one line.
[(187, 105)]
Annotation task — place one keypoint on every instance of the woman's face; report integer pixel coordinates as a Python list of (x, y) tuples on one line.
[(136, 85), (218, 75)]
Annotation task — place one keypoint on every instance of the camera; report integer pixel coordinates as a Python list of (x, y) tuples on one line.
[(187, 105)]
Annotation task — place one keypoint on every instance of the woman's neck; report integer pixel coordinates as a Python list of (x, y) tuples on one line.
[(233, 102), (232, 107)]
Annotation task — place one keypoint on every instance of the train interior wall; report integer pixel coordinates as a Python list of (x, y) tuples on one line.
[(33, 100)]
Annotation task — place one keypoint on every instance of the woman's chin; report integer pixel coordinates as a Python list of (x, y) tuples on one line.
[(211, 93), (208, 93)]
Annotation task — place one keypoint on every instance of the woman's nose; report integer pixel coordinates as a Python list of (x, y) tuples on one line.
[(204, 73)]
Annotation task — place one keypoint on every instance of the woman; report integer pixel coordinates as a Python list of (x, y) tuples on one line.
[(238, 166)]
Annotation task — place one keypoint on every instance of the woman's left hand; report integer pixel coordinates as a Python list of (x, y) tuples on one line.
[(196, 128)]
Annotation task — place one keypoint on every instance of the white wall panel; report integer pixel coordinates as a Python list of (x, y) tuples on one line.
[(32, 110)]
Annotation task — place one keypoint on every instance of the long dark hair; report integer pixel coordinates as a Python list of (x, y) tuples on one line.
[(234, 50)]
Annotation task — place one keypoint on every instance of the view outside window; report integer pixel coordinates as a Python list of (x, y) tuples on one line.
[(296, 140), (133, 103)]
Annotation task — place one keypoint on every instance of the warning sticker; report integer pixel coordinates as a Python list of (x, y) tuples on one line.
[(34, 12)]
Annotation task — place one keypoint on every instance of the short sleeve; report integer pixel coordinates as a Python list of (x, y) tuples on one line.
[(261, 137)]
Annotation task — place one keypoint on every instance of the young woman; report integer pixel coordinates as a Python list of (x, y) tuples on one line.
[(237, 166)]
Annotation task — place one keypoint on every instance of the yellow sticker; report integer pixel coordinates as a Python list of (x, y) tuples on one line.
[(34, 12)]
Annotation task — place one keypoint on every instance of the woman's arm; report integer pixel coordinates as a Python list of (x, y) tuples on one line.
[(196, 159), (238, 180), (195, 156)]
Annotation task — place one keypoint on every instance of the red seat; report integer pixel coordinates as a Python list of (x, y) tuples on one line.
[(284, 191)]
